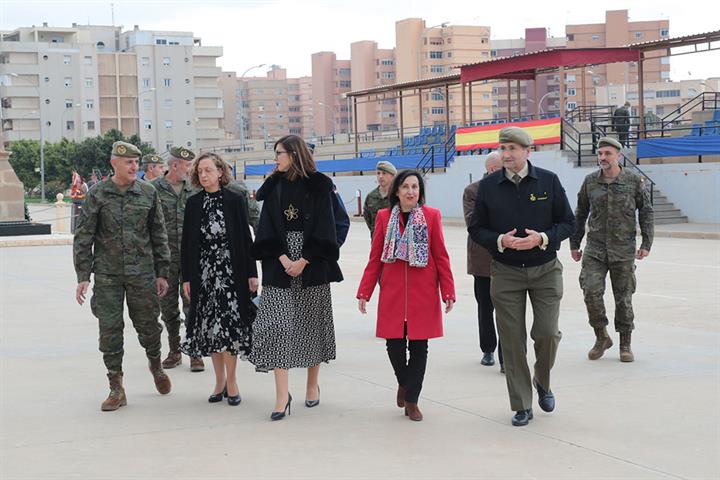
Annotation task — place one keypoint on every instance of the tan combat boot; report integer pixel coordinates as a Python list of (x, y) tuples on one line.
[(197, 364), (162, 381), (626, 354), (174, 357), (602, 343), (117, 397)]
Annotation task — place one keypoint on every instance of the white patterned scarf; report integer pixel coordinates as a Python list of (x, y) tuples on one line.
[(410, 246)]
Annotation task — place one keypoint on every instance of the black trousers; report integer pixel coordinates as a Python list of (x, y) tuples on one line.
[(409, 372), (486, 323)]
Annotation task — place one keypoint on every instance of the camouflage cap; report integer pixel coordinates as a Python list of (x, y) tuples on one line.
[(182, 152), (515, 135), (124, 149), (151, 159), (386, 167), (609, 142)]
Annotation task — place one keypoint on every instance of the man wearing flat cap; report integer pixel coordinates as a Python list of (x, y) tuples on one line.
[(378, 198), (521, 216), (608, 200), (152, 166), (121, 239), (174, 189)]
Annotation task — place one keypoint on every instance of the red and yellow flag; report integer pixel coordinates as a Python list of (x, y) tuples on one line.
[(543, 132)]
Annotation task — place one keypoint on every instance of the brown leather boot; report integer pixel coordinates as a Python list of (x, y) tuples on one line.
[(413, 412), (197, 364), (400, 396), (602, 343), (162, 381), (626, 354), (116, 398), (174, 357)]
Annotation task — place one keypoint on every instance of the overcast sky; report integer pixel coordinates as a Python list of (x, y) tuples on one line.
[(286, 33)]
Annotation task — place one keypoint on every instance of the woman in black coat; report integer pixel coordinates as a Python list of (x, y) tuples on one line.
[(219, 273), (296, 242)]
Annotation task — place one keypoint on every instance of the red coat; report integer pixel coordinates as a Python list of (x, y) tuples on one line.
[(409, 293)]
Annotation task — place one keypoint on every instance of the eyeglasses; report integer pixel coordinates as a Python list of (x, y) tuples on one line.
[(280, 152)]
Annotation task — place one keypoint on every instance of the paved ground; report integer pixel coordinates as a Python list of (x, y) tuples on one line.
[(656, 418)]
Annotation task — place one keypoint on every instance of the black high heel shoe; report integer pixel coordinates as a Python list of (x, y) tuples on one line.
[(313, 403), (280, 415), (234, 400), (218, 397)]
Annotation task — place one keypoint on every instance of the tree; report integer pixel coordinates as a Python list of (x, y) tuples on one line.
[(24, 158)]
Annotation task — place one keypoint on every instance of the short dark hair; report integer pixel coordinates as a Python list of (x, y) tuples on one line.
[(399, 179)]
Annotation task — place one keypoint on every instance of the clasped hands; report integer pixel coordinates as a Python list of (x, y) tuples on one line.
[(533, 239), (293, 268)]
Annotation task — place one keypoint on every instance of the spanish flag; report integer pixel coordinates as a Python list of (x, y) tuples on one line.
[(543, 132)]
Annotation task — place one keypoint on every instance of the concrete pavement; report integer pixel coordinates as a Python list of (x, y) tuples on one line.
[(656, 418)]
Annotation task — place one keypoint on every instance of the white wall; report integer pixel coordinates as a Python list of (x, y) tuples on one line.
[(694, 188)]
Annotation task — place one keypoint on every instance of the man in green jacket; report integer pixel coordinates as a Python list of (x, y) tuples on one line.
[(377, 199), (121, 238)]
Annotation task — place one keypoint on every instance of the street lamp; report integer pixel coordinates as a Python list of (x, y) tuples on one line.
[(42, 139), (419, 49), (242, 107), (541, 100)]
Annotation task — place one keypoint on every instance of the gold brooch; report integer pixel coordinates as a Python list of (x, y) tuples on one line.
[(291, 213)]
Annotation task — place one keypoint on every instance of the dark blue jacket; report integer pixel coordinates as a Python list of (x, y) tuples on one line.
[(539, 203)]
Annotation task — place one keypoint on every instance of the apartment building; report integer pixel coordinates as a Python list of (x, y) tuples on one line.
[(616, 31), (81, 81), (331, 79), (300, 106), (371, 67)]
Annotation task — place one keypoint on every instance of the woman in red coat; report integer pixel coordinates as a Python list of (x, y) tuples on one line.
[(409, 257)]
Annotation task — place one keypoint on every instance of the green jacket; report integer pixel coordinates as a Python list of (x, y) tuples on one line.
[(121, 233), (374, 202), (609, 210), (173, 207)]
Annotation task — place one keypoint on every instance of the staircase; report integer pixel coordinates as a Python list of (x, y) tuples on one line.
[(665, 211)]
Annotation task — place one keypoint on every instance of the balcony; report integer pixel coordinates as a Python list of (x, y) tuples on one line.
[(213, 72), (21, 113), (210, 134), (209, 113), (15, 135), (207, 51), (208, 92)]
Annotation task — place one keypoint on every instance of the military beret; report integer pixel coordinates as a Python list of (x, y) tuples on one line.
[(182, 152), (151, 159), (124, 149), (386, 167), (609, 142), (515, 135)]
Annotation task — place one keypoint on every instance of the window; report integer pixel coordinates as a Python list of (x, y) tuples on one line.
[(160, 41), (388, 75), (145, 61), (88, 81), (493, 53), (667, 93), (570, 37), (390, 101), (294, 119), (570, 77), (91, 125), (344, 72), (146, 82), (387, 62), (665, 60), (89, 103), (87, 60), (665, 75), (68, 103), (571, 92), (67, 81), (638, 35), (571, 105), (449, 54), (168, 145), (168, 123), (166, 60), (435, 54), (67, 59), (388, 114), (70, 125), (296, 131), (437, 110), (596, 37), (168, 103), (437, 96), (436, 69), (294, 109), (147, 103), (166, 82), (345, 84), (147, 125), (664, 32)]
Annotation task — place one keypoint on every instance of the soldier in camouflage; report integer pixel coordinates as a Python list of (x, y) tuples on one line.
[(238, 186), (608, 200), (377, 199), (173, 190), (121, 238)]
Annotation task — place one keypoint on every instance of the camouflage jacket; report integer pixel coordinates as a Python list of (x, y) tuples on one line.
[(374, 202), (609, 209), (173, 207), (238, 186), (121, 233)]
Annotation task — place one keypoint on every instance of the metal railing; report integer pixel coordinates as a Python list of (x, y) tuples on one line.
[(627, 163)]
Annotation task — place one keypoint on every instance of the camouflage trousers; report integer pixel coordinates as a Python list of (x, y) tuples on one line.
[(169, 305), (107, 303), (592, 281)]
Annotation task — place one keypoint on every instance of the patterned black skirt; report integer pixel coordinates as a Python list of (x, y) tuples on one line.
[(294, 326)]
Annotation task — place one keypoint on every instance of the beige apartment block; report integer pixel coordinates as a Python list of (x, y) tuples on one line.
[(372, 67), (300, 106), (423, 52), (616, 31), (331, 79), (82, 81)]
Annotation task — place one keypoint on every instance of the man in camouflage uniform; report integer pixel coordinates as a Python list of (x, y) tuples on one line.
[(377, 199), (238, 186), (152, 167), (121, 238), (174, 189), (609, 197)]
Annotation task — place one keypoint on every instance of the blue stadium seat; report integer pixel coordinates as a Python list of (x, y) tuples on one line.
[(716, 116), (695, 131), (710, 129)]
